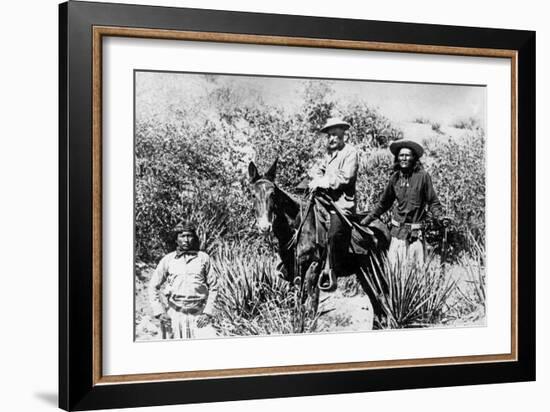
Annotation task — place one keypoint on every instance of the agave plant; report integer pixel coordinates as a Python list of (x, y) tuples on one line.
[(473, 290), (410, 295), (253, 299)]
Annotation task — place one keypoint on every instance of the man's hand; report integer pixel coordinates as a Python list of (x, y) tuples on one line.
[(162, 317), (318, 183), (316, 171), (203, 320), (367, 220)]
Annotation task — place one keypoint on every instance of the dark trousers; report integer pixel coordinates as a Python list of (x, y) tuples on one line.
[(339, 236)]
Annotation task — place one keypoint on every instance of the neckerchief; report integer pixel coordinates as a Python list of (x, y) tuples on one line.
[(180, 253)]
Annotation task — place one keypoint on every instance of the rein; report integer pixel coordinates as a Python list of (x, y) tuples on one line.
[(314, 199), (303, 213), (294, 238)]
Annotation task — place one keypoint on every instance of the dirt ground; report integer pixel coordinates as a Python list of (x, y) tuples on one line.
[(347, 309), (348, 312), (345, 312)]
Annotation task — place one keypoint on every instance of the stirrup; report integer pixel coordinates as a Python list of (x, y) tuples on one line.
[(327, 281)]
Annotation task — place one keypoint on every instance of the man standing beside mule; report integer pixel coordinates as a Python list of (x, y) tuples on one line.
[(410, 188), (337, 174), (183, 288)]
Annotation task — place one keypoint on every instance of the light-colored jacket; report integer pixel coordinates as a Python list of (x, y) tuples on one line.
[(187, 282), (338, 171)]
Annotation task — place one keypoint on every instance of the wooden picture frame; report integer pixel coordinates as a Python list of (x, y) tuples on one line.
[(83, 26)]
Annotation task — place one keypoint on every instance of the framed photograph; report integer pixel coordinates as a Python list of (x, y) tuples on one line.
[(256, 206)]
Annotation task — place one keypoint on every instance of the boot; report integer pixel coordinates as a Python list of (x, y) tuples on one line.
[(327, 281)]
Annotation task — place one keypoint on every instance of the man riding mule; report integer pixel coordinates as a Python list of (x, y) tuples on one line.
[(301, 231), (322, 228), (337, 175)]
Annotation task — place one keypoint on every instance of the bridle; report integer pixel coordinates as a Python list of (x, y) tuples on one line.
[(263, 186)]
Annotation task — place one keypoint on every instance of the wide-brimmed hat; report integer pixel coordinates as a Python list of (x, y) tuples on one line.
[(335, 121), (397, 145)]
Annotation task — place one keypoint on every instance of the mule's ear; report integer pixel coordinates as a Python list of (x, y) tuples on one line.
[(270, 175), (253, 172)]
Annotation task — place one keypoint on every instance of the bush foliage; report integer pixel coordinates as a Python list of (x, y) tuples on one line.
[(197, 169)]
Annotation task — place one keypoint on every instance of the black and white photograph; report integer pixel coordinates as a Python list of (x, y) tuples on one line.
[(250, 206), (286, 205)]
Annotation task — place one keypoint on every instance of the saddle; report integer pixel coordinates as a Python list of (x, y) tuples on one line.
[(364, 238)]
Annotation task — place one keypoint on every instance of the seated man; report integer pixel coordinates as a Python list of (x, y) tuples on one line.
[(337, 175), (183, 289)]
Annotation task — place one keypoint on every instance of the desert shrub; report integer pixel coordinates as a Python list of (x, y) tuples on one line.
[(375, 169), (253, 299), (421, 120), (181, 174), (436, 127), (458, 173), (410, 295), (274, 135), (369, 128), (469, 123), (318, 105), (197, 170)]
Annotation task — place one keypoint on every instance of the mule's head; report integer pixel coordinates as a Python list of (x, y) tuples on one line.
[(263, 192)]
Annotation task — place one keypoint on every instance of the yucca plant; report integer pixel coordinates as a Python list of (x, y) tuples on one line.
[(253, 300), (473, 290), (246, 279), (409, 295)]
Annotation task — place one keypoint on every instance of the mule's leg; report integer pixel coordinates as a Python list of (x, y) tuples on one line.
[(363, 269), (305, 269), (298, 281), (311, 291)]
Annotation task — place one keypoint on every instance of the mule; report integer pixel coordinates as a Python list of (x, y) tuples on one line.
[(302, 250)]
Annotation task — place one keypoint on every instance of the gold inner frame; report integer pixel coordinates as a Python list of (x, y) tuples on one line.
[(100, 31)]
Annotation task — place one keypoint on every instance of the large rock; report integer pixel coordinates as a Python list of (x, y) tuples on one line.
[(346, 313)]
